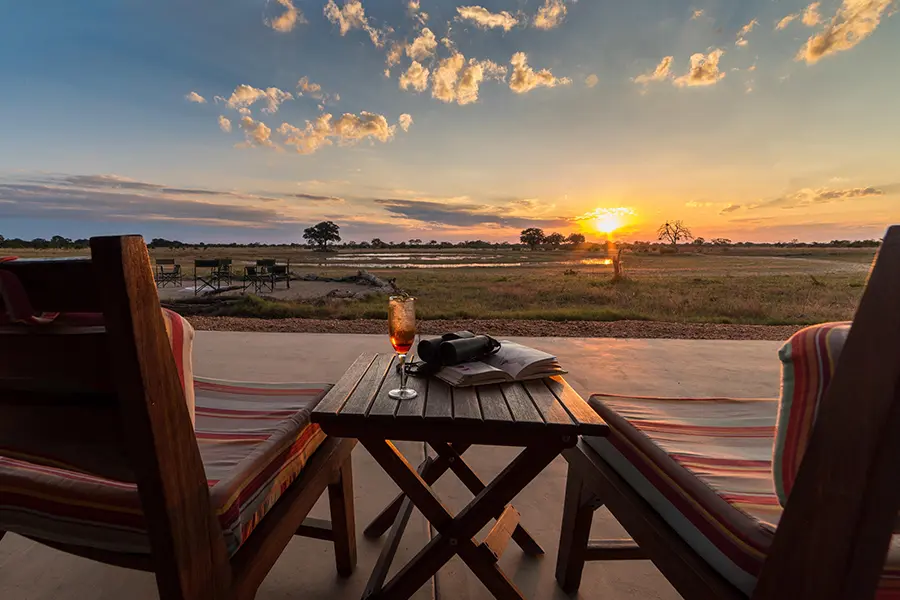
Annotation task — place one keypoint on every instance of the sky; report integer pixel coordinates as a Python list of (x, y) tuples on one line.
[(249, 120)]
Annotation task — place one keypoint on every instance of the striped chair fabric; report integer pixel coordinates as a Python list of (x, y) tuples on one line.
[(808, 360), (254, 440), (705, 465)]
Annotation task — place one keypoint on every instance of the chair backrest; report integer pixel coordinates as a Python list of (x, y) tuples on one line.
[(106, 399), (265, 262), (206, 263), (834, 534), (165, 261)]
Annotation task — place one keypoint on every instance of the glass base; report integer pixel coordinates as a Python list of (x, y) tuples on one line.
[(403, 394)]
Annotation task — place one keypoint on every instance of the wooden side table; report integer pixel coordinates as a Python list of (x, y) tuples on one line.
[(542, 416)]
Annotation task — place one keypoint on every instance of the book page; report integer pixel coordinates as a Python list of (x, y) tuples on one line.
[(469, 370), (513, 358)]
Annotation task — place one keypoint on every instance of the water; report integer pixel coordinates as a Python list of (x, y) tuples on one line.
[(449, 265)]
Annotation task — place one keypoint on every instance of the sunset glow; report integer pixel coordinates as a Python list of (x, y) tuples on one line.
[(452, 121)]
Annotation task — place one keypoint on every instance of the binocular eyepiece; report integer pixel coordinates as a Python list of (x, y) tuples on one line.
[(455, 348)]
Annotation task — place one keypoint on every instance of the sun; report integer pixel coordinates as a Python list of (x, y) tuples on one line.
[(607, 223)]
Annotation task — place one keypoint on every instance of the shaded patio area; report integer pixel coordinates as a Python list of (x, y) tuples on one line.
[(306, 569)]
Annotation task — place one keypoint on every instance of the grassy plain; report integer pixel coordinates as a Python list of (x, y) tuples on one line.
[(769, 286)]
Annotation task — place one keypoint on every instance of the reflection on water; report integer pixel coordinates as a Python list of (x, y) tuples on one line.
[(449, 265), (412, 257)]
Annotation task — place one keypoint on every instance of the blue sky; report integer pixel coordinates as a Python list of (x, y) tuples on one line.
[(532, 113)]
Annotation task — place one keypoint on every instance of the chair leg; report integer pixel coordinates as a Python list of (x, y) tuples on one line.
[(578, 513), (343, 525)]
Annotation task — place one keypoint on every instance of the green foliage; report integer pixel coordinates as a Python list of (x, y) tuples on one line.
[(322, 233)]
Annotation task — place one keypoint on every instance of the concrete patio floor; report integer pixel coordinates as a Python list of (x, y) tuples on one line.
[(29, 571)]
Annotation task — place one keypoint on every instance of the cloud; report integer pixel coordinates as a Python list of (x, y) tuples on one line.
[(352, 16), (414, 9), (394, 55), (416, 76), (244, 96), (745, 30), (704, 70), (307, 88), (782, 24), (524, 78), (591, 80), (348, 130), (698, 204), (288, 18), (461, 214), (455, 80), (697, 14), (256, 132), (111, 198), (811, 16), (485, 19), (854, 21), (195, 97), (316, 197), (423, 46), (550, 15), (810, 196), (224, 124), (730, 209), (662, 72), (405, 121)]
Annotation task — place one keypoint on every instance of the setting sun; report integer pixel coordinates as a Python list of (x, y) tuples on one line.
[(606, 220), (607, 223)]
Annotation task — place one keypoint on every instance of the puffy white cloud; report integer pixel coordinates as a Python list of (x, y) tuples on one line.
[(416, 77), (811, 16), (224, 124), (782, 24), (245, 96), (745, 30), (348, 130), (524, 78), (485, 19), (662, 71), (550, 15), (414, 8), (697, 14), (591, 80), (854, 21), (704, 70), (288, 18), (195, 97), (256, 132), (394, 55), (307, 88), (445, 77), (455, 80), (352, 16), (423, 46)]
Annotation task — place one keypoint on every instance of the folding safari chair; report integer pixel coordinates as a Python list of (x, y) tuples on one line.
[(693, 481), (165, 276), (209, 279), (98, 455)]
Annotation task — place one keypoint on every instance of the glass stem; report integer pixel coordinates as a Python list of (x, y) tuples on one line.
[(402, 371)]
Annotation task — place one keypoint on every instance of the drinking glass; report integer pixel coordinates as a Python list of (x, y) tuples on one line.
[(402, 324)]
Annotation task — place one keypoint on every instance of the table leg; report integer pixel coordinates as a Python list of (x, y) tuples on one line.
[(471, 480), (432, 473), (456, 533)]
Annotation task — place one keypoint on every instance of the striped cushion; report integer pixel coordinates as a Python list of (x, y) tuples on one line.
[(808, 360), (705, 465), (181, 338), (254, 440)]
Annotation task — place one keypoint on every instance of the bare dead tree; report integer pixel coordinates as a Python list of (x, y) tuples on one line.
[(673, 232)]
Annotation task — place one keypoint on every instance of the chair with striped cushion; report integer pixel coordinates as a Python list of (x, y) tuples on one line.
[(694, 483), (98, 455)]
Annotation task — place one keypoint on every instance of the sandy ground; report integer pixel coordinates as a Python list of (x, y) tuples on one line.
[(605, 329)]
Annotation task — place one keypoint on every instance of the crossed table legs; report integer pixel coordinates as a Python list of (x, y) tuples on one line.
[(455, 533)]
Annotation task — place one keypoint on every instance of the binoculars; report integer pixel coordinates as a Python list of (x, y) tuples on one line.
[(455, 348)]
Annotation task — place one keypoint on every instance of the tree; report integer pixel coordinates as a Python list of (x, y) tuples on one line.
[(532, 237), (699, 241), (576, 238), (321, 234), (673, 232), (554, 239), (721, 242)]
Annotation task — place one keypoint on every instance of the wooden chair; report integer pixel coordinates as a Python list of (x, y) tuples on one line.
[(834, 534), (103, 404)]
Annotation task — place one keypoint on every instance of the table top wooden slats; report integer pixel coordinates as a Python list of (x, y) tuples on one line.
[(493, 404), (504, 414)]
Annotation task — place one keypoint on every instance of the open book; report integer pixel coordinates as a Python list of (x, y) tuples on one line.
[(513, 362)]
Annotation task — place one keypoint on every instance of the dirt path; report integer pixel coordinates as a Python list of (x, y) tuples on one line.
[(614, 329)]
